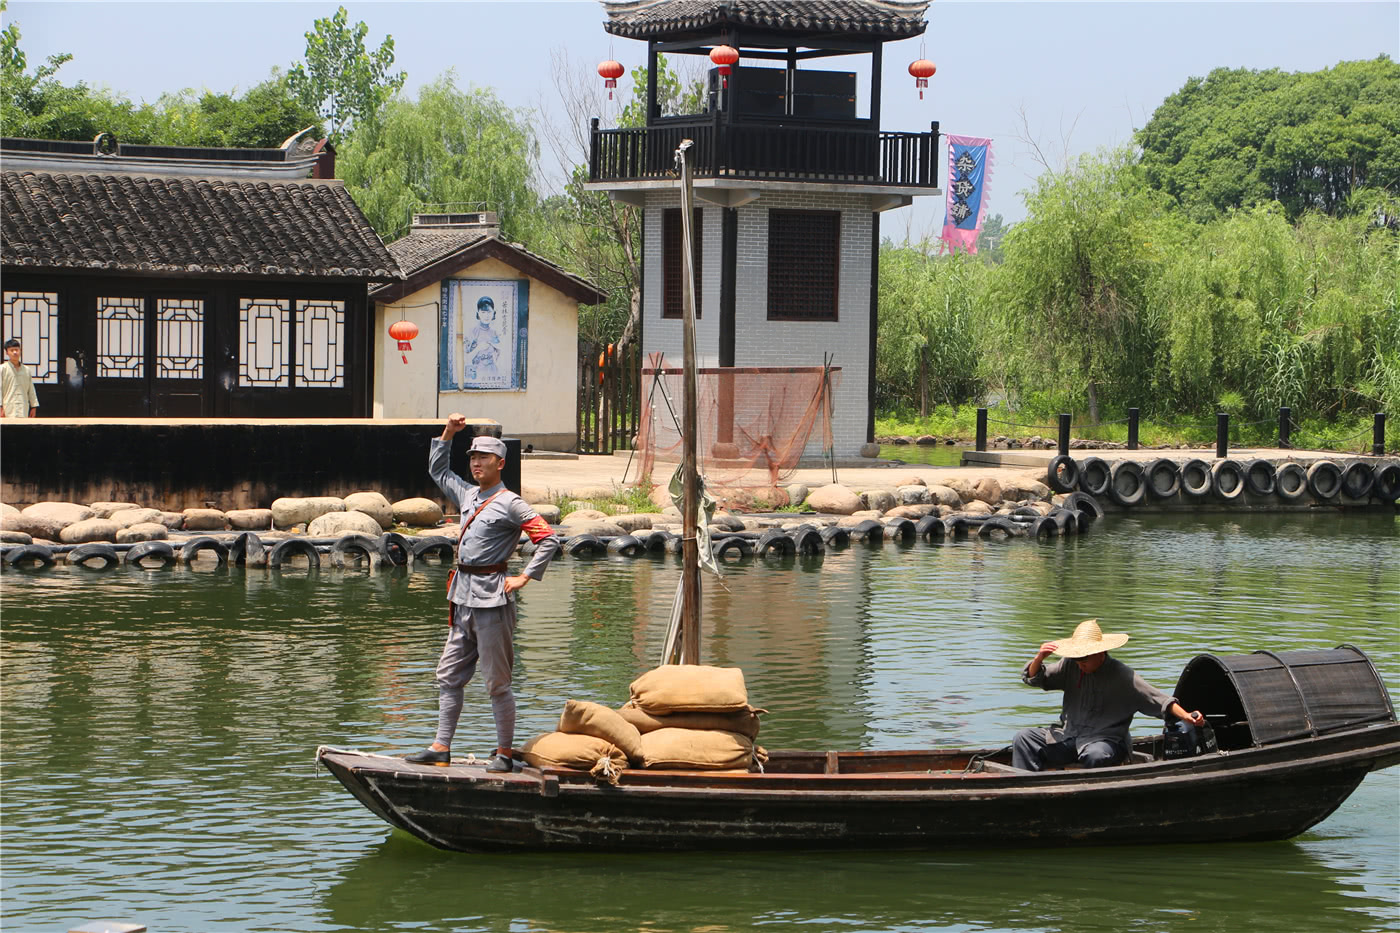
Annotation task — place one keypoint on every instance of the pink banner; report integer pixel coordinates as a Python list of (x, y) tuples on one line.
[(969, 173)]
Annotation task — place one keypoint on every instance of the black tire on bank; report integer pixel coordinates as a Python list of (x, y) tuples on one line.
[(396, 550), (999, 527), (931, 527), (247, 550), (869, 531), (27, 554), (584, 546), (1387, 487), (288, 548), (1163, 478), (1290, 482), (1062, 475), (1260, 478), (655, 542), (836, 537), (1358, 479), (1129, 485), (956, 526), (1078, 501), (733, 546), (1094, 476), (1044, 528), (1227, 479), (97, 551), (1196, 479), (625, 545), (1324, 480), (439, 546), (143, 551), (1065, 521), (775, 543), (901, 530), (808, 541), (192, 547), (354, 543)]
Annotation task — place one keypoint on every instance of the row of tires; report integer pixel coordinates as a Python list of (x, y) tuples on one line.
[(1129, 482), (245, 550)]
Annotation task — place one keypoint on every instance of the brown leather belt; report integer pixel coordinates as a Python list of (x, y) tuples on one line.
[(483, 568)]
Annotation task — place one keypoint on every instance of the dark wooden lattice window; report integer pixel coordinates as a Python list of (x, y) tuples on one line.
[(804, 262), (672, 296)]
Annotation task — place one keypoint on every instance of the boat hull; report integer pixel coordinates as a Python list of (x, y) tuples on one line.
[(1274, 792)]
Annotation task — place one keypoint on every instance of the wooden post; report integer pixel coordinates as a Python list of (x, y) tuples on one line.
[(1378, 435), (1285, 423), (1222, 434), (690, 507), (1132, 429), (981, 429), (1064, 434)]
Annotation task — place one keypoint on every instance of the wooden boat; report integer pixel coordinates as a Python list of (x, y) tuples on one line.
[(1297, 732)]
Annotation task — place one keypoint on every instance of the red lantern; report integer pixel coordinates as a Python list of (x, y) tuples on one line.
[(403, 332), (611, 71), (724, 56), (922, 70)]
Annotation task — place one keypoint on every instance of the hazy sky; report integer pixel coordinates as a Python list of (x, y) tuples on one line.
[(1084, 74)]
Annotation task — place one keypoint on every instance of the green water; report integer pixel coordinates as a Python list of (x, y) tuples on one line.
[(933, 455), (158, 732)]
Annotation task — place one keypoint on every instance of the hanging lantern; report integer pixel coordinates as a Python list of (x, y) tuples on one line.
[(922, 70), (403, 332), (611, 71), (724, 56)]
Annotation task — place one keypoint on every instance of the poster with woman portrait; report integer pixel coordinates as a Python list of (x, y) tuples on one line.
[(484, 326)]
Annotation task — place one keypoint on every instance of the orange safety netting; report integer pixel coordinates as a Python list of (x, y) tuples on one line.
[(751, 418)]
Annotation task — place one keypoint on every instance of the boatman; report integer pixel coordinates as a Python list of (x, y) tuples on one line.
[(1101, 696), (481, 598)]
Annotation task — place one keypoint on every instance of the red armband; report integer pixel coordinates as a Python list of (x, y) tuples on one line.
[(537, 528)]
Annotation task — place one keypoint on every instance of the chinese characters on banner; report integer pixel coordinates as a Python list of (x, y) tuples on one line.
[(969, 169), (484, 326)]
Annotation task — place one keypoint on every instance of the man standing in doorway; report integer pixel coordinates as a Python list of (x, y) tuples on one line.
[(480, 596), (17, 397)]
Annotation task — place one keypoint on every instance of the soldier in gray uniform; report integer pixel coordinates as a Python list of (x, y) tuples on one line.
[(480, 595)]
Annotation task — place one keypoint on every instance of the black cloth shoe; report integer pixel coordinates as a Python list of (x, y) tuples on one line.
[(430, 756), (499, 763)]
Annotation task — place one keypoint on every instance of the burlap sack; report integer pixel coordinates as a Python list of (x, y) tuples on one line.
[(744, 722), (598, 757), (696, 750), (690, 688), (583, 718)]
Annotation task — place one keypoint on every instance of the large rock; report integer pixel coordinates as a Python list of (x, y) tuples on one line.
[(107, 509), (638, 521), (15, 537), (536, 495), (797, 493), (978, 507), (834, 499), (962, 487), (987, 489), (372, 504), (65, 513), (870, 450), (914, 512), (417, 513), (592, 527), (8, 510), (547, 511), (584, 517), (298, 510), (1021, 486), (879, 499), (142, 531), (660, 497), (906, 479), (249, 519), (753, 498), (912, 495), (92, 529), (128, 517), (861, 515), (944, 495), (335, 524), (205, 520), (172, 520), (726, 522)]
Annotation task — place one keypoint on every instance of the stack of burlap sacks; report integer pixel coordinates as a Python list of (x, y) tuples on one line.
[(686, 717)]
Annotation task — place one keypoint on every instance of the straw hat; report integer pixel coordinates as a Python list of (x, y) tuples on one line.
[(1089, 639)]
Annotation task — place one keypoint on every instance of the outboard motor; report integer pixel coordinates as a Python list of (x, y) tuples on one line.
[(1180, 739)]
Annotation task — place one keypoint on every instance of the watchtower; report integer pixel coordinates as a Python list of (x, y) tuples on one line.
[(792, 172)]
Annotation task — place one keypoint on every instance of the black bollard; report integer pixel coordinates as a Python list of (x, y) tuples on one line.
[(1064, 434), (1222, 434), (1285, 422), (1132, 429), (981, 429), (1378, 435)]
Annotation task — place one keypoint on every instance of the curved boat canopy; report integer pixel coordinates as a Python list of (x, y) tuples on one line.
[(1264, 697)]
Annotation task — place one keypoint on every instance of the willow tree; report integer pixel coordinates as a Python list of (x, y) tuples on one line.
[(450, 146), (1070, 304)]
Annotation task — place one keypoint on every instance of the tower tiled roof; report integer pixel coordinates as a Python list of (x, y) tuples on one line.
[(654, 19)]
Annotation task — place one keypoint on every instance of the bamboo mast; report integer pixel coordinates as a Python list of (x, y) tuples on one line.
[(690, 552)]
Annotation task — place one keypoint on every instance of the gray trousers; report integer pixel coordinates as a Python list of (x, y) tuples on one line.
[(1032, 750), (484, 634)]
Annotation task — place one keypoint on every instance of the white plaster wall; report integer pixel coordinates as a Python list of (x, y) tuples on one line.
[(545, 409), (757, 340)]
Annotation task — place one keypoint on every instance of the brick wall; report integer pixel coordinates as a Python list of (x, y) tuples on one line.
[(757, 340)]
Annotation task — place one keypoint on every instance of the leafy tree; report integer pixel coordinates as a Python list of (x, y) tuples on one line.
[(345, 82), (991, 237), (448, 146), (1240, 138)]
